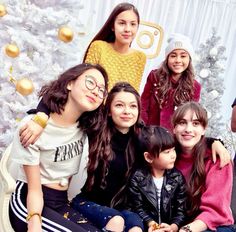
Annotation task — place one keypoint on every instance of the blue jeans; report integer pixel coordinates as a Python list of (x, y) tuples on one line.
[(224, 229), (100, 215)]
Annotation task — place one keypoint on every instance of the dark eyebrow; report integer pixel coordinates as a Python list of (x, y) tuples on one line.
[(183, 52), (127, 20), (195, 120)]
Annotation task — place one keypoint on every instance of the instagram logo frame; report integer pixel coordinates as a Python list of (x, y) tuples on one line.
[(149, 39)]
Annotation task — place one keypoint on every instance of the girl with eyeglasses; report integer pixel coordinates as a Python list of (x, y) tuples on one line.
[(111, 47), (111, 158), (40, 203)]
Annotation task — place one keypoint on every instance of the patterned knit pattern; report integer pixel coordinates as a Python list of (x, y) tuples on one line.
[(120, 67)]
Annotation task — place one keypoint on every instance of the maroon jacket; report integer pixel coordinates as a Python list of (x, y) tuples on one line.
[(151, 112)]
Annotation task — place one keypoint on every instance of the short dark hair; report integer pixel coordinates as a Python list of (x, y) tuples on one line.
[(155, 139), (55, 94)]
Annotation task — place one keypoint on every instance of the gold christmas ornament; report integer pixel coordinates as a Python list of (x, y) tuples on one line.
[(12, 50), (65, 34), (24, 86), (3, 10)]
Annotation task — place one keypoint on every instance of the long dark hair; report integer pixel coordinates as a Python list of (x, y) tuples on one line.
[(100, 146), (106, 33), (55, 95), (196, 183), (183, 92)]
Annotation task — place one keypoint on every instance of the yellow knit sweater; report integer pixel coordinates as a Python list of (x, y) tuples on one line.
[(120, 67)]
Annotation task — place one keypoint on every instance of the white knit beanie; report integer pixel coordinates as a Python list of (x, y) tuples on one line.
[(179, 41)]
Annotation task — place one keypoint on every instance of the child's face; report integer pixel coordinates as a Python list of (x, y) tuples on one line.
[(124, 111), (125, 27), (189, 131), (178, 61), (166, 160)]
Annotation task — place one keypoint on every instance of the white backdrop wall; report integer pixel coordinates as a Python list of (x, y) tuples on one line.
[(194, 18)]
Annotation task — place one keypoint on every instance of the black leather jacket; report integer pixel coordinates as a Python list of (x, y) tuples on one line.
[(142, 197)]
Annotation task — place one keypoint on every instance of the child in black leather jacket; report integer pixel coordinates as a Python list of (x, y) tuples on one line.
[(157, 190)]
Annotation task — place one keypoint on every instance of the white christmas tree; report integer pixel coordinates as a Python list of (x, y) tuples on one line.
[(32, 26), (208, 68)]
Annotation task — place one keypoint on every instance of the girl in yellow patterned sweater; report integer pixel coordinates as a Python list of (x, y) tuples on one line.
[(111, 47)]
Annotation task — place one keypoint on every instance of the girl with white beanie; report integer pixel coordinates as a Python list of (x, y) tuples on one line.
[(170, 85)]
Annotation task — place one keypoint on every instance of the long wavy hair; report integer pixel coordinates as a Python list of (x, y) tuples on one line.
[(183, 92), (100, 146), (196, 183), (55, 96), (106, 33)]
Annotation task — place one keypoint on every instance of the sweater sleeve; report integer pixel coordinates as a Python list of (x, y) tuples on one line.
[(215, 200), (94, 53), (41, 107), (146, 97), (211, 140)]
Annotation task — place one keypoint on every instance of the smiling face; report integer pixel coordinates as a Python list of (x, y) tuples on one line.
[(124, 111), (125, 27), (178, 61), (80, 96), (188, 131)]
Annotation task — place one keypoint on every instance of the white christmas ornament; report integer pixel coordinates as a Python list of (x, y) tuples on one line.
[(33, 24), (213, 52), (213, 94), (204, 73)]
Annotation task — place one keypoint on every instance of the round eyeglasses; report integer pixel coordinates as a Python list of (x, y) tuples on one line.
[(91, 84)]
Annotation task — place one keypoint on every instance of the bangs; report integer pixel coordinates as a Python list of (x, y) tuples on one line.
[(161, 139), (166, 141), (194, 107)]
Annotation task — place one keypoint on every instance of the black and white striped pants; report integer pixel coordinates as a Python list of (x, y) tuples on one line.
[(57, 215)]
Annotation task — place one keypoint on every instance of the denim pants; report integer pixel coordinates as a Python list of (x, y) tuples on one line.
[(100, 215)]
